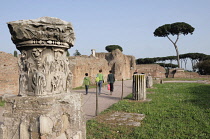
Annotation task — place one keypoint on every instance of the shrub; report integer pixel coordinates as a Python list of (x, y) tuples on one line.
[(110, 48)]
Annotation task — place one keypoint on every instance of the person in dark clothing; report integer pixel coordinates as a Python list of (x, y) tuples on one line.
[(135, 72), (111, 80)]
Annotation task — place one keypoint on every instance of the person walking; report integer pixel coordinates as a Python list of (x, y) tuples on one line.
[(101, 80), (86, 82), (135, 72), (111, 80)]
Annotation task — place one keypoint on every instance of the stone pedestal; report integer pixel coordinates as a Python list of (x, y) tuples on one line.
[(45, 107), (51, 117), (139, 87), (149, 81)]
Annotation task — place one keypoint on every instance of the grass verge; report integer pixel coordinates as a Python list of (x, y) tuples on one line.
[(177, 110)]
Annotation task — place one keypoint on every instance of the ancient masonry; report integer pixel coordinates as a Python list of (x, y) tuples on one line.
[(45, 107), (9, 74)]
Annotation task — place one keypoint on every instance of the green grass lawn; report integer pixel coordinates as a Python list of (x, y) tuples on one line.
[(177, 111), (185, 79)]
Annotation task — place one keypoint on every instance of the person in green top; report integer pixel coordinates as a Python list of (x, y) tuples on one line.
[(86, 82), (101, 80)]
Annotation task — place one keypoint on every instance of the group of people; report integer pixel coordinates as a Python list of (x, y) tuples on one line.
[(100, 81)]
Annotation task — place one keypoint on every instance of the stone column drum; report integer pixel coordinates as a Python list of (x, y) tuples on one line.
[(139, 87), (45, 108)]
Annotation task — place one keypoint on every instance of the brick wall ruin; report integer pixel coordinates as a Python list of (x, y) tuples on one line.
[(155, 70), (9, 74), (180, 73), (122, 65), (79, 65)]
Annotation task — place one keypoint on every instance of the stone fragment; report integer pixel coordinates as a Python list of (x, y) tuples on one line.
[(149, 81), (24, 132), (46, 125), (62, 136)]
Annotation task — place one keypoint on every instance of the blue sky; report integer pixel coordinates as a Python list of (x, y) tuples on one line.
[(128, 23)]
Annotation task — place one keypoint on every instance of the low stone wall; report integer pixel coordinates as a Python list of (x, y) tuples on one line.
[(186, 75), (176, 73), (9, 74), (155, 70)]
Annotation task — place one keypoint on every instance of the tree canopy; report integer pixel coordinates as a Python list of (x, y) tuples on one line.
[(174, 29), (177, 29), (195, 58), (203, 67), (110, 48), (15, 53), (77, 53)]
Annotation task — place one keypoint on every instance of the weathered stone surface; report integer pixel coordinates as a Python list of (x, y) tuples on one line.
[(50, 117), (44, 31), (62, 136), (179, 73), (46, 107), (155, 70), (24, 130), (46, 125), (139, 87), (149, 81), (122, 65), (122, 118), (9, 74), (43, 65), (79, 65)]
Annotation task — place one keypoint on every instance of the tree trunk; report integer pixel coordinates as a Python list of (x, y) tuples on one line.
[(177, 53), (185, 63), (176, 48)]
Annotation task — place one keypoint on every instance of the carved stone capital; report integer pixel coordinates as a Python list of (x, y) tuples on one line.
[(44, 31), (43, 64)]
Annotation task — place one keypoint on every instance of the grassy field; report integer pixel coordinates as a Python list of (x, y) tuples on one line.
[(186, 79), (177, 111)]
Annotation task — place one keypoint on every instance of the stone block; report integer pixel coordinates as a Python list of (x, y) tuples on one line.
[(42, 118)]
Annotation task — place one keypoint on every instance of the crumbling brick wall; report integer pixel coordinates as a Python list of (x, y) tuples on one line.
[(79, 65), (9, 74), (174, 73), (155, 70), (121, 65)]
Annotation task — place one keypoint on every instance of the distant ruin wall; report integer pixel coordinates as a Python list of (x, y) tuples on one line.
[(9, 74), (155, 70), (79, 65), (122, 65), (101, 55), (173, 73)]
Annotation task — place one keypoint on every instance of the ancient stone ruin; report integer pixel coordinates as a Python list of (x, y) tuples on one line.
[(139, 87), (45, 107)]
